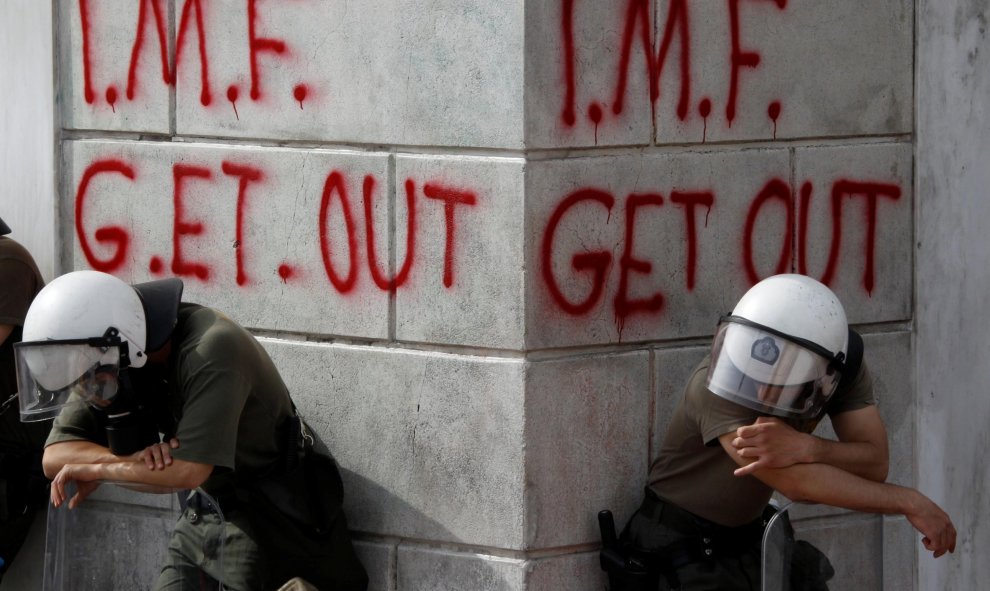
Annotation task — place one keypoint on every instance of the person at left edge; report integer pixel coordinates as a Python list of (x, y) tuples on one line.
[(23, 487), (120, 364)]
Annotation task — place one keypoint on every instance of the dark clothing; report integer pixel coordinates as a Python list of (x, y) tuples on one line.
[(22, 483), (700, 526), (694, 472), (228, 406), (687, 552)]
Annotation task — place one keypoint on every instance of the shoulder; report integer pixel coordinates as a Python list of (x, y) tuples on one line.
[(16, 258), (204, 336), (858, 394), (713, 415), (20, 279), (203, 324)]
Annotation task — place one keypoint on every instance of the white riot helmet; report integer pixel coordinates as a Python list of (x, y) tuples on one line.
[(782, 350), (81, 330)]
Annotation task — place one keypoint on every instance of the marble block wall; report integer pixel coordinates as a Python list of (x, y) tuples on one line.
[(485, 241)]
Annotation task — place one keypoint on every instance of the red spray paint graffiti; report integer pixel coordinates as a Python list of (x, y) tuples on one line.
[(369, 225), (740, 58), (257, 45), (638, 26), (338, 228), (595, 262), (245, 174), (249, 181), (88, 93), (625, 307), (112, 235), (205, 97), (156, 11), (774, 192), (183, 227), (192, 15), (598, 262), (842, 190), (639, 10), (690, 201), (335, 185), (451, 198)]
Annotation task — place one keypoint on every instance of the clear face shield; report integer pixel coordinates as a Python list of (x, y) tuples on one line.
[(54, 374), (771, 372)]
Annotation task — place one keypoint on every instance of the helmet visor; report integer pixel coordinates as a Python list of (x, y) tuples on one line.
[(768, 372), (54, 374)]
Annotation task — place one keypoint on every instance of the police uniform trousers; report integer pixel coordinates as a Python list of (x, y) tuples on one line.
[(685, 552), (206, 548)]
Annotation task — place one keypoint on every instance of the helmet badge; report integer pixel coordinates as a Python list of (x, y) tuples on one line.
[(765, 351)]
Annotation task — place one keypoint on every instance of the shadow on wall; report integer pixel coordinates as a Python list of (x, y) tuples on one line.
[(393, 564), (411, 564)]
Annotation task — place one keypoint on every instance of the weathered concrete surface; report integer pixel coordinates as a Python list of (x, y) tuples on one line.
[(800, 69), (900, 554), (379, 562), (860, 209), (581, 207), (256, 251), (431, 445), (425, 569), (953, 279), (455, 462), (891, 363), (579, 571), (654, 246), (671, 370), (586, 437), (467, 271), (389, 72), (94, 67)]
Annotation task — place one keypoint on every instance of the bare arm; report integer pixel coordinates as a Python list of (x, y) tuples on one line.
[(5, 330), (829, 485), (88, 463), (861, 449), (57, 455)]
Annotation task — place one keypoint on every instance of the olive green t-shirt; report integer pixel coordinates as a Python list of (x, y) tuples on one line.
[(225, 396), (694, 472)]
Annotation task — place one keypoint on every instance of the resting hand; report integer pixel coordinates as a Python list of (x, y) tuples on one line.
[(156, 456), (773, 443), (936, 527), (84, 475)]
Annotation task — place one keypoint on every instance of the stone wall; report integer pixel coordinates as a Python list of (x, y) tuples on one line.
[(952, 243), (486, 241)]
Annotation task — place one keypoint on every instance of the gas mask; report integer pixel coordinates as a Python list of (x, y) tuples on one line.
[(59, 374)]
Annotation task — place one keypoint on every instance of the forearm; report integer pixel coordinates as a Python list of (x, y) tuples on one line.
[(59, 454), (178, 475), (863, 459), (829, 485), (826, 483)]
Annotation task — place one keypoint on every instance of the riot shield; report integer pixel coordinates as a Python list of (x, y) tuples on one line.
[(778, 544), (119, 538)]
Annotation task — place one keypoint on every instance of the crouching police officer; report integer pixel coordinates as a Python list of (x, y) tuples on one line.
[(783, 360), (118, 365)]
